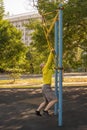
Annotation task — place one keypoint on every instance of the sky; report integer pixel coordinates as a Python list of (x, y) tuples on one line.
[(17, 6)]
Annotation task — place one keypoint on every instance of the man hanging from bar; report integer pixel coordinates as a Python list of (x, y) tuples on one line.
[(49, 96)]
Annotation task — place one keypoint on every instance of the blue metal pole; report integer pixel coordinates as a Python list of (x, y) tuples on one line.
[(60, 61), (56, 63)]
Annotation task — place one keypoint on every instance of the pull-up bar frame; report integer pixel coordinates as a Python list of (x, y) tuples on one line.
[(58, 73)]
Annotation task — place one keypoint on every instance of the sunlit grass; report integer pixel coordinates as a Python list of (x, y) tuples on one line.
[(21, 83), (37, 82), (75, 79)]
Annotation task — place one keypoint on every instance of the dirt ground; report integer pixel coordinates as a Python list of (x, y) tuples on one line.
[(17, 107)]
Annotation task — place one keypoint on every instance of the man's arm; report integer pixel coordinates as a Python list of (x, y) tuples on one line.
[(50, 59)]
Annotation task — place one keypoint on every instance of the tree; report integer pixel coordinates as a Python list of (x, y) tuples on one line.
[(12, 50), (1, 9), (74, 29), (84, 60), (38, 49)]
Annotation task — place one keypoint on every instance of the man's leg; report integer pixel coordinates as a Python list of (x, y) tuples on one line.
[(50, 104), (43, 104)]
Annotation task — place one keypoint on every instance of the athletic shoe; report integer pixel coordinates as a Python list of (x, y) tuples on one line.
[(38, 113), (45, 113)]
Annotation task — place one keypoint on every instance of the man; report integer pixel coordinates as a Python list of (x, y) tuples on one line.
[(49, 96)]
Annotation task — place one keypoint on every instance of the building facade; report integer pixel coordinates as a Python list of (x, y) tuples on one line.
[(19, 22)]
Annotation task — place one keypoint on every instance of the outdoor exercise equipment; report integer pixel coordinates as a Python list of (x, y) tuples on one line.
[(47, 30), (57, 21), (60, 62), (59, 68)]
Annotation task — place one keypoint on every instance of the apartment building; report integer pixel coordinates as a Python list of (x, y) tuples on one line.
[(19, 22)]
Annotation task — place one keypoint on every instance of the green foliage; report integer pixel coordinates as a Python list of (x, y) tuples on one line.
[(35, 58), (84, 59), (1, 9), (12, 50), (38, 41), (74, 30), (46, 6)]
